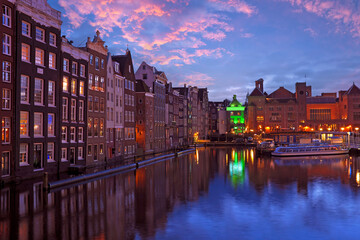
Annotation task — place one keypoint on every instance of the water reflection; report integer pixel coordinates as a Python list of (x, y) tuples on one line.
[(208, 187)]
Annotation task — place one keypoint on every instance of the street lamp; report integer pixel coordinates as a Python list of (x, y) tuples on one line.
[(226, 136)]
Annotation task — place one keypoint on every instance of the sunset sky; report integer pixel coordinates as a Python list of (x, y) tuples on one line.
[(228, 44)]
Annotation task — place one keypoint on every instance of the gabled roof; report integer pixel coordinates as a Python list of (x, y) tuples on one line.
[(281, 93), (353, 90), (256, 93), (141, 86)]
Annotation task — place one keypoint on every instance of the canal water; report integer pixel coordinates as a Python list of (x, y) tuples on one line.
[(213, 193)]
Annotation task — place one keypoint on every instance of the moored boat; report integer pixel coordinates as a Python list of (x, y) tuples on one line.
[(309, 150)]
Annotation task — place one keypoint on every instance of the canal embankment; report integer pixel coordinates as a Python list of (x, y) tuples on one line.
[(69, 182)]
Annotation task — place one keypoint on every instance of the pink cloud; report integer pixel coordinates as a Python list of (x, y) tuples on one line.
[(198, 79), (343, 14), (235, 5)]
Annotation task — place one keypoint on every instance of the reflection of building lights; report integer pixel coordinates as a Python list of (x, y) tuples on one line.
[(358, 178), (197, 156), (252, 155)]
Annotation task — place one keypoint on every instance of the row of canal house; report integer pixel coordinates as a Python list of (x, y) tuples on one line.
[(73, 106)]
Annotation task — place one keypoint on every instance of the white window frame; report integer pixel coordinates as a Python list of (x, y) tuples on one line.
[(80, 153), (74, 71), (64, 134), (6, 71), (26, 126), (25, 58), (42, 36), (52, 35), (27, 29), (6, 16), (73, 86), (25, 148), (73, 110), (41, 91), (65, 109), (6, 130), (80, 134), (39, 59), (6, 45), (82, 70), (24, 77), (51, 133), (72, 134), (81, 88), (6, 99), (51, 94), (52, 60), (41, 124), (81, 110), (50, 155), (64, 155)]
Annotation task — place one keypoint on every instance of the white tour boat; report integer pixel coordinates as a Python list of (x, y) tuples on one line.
[(309, 150)]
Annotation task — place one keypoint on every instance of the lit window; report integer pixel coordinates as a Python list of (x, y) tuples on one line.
[(73, 86), (50, 152), (6, 71), (64, 134), (38, 124), (96, 82), (72, 134), (51, 93), (82, 88), (23, 154), (7, 45), (51, 124), (96, 127), (38, 91), (101, 127), (25, 29), (102, 84), (25, 52), (24, 124), (65, 109), (5, 130), (65, 84), (89, 150), (66, 66), (6, 16), (24, 92), (5, 163), (39, 56), (90, 123), (101, 149), (73, 110), (52, 60), (40, 34), (6, 99), (52, 39)]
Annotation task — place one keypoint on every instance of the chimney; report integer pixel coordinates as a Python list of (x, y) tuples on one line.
[(259, 85)]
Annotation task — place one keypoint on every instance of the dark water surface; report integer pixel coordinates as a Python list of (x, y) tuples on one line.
[(215, 193)]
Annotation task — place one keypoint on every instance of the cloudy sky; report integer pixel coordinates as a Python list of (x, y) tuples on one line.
[(228, 44)]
